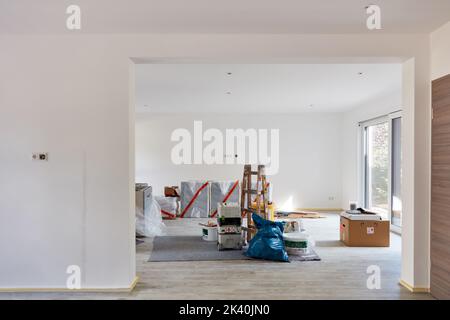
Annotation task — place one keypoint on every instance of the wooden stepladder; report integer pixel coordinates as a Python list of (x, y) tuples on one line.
[(260, 206)]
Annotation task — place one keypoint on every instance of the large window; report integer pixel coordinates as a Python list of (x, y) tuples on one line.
[(396, 174), (377, 168), (382, 167)]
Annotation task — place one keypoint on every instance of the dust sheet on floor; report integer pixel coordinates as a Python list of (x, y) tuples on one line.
[(194, 248)]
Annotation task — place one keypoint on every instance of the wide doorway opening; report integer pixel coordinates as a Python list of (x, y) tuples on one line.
[(328, 116)]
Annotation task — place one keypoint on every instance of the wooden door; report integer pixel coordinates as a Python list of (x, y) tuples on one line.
[(440, 190)]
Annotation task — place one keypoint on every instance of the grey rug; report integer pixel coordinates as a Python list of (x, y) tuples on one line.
[(194, 248)]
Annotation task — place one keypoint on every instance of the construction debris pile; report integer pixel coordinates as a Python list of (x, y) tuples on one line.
[(242, 213)]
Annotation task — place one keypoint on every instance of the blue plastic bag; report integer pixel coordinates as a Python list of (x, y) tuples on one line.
[(268, 242)]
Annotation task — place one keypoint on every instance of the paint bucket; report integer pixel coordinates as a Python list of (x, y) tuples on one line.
[(296, 243), (209, 233)]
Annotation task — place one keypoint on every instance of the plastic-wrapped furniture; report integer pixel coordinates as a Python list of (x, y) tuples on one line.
[(221, 192), (194, 199), (169, 206)]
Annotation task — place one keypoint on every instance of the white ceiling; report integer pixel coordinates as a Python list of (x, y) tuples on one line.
[(256, 88), (230, 16)]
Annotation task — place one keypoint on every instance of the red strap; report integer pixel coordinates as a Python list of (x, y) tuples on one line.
[(227, 196), (193, 199), (168, 214)]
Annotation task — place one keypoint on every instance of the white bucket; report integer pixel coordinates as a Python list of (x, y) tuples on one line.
[(209, 233), (297, 243)]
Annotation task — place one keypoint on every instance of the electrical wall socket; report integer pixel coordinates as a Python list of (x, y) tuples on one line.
[(331, 198), (39, 156), (230, 156)]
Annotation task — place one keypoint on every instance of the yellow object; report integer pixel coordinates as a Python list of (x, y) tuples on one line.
[(271, 209)]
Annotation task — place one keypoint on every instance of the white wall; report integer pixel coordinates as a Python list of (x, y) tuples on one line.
[(309, 162), (69, 95), (440, 52)]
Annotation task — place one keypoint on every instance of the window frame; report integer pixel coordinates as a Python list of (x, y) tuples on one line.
[(363, 161)]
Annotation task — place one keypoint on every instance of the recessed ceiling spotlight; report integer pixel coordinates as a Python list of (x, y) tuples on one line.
[(228, 92), (360, 73), (229, 73)]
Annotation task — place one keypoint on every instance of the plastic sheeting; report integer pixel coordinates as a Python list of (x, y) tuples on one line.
[(268, 242), (150, 223), (223, 191), (169, 206), (194, 199)]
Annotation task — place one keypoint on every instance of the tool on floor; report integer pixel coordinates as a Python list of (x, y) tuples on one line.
[(229, 222), (260, 207)]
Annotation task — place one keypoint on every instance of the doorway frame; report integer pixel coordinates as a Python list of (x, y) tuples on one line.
[(391, 117), (410, 82)]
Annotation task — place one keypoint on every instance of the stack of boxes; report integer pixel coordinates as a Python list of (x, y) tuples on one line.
[(229, 222)]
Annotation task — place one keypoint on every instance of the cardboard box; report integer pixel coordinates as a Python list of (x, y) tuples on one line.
[(362, 233), (173, 191)]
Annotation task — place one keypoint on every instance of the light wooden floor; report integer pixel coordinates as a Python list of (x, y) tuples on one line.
[(340, 275)]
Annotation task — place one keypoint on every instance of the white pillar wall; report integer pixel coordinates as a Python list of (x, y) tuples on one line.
[(440, 52), (416, 164), (70, 95)]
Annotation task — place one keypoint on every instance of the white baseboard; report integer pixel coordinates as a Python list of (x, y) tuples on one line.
[(99, 290)]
